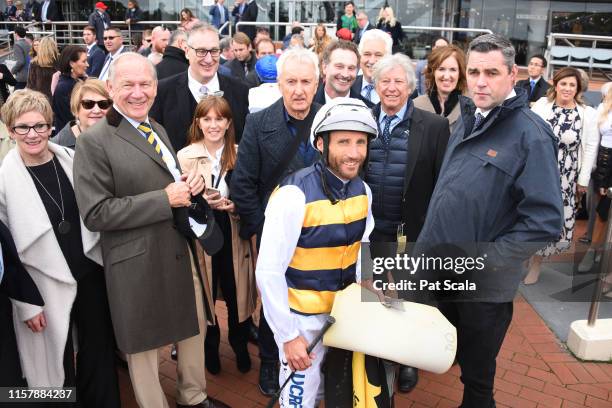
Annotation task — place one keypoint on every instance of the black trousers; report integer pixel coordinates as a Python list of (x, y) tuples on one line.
[(96, 376), (223, 275), (268, 351), (481, 328)]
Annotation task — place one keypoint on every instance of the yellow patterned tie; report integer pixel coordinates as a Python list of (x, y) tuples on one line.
[(146, 129)]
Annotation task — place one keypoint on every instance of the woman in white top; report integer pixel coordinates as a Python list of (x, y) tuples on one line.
[(575, 128), (212, 152)]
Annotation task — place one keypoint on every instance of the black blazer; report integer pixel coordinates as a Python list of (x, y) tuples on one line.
[(95, 59), (16, 284), (174, 106), (266, 140), (320, 95), (427, 140), (173, 62), (54, 13), (540, 89), (7, 79), (237, 68), (249, 14), (356, 90)]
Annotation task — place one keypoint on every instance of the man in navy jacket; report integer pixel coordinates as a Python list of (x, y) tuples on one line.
[(499, 192)]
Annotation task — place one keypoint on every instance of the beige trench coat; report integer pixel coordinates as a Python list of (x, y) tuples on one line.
[(195, 156)]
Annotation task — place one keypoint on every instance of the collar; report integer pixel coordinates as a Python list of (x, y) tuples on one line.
[(512, 94), (400, 115), (365, 83), (90, 46), (329, 98), (119, 51), (535, 80), (133, 122), (194, 85)]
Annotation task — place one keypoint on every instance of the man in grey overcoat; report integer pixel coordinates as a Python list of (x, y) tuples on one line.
[(129, 186)]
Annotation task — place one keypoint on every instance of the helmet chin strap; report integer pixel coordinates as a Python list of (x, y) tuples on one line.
[(325, 161)]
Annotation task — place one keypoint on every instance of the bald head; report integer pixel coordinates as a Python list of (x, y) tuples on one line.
[(132, 88)]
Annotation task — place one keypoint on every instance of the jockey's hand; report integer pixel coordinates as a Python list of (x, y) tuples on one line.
[(296, 354)]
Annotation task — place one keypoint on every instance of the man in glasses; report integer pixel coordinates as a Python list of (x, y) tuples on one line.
[(113, 41), (95, 53), (178, 95), (536, 86)]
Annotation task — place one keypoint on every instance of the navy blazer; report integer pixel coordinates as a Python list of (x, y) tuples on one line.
[(54, 13), (95, 59), (174, 106), (97, 22), (360, 33), (540, 89), (215, 17)]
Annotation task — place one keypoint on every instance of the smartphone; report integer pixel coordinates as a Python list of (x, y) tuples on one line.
[(212, 191)]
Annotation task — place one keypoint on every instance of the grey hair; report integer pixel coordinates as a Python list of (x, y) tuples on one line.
[(176, 36), (299, 54), (143, 60), (225, 43), (494, 42), (200, 29), (391, 61), (376, 34)]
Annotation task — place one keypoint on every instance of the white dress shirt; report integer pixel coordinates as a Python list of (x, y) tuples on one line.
[(195, 86)]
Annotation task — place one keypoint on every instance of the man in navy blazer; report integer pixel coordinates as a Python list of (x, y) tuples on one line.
[(275, 144), (95, 54), (536, 86), (178, 95), (364, 25), (219, 15)]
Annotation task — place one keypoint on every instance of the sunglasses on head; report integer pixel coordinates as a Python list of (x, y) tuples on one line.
[(103, 104)]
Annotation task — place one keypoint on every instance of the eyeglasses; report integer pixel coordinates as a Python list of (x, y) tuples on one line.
[(110, 37), (103, 104), (25, 129), (203, 52)]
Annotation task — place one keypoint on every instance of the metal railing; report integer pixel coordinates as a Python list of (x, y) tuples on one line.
[(71, 32), (574, 41)]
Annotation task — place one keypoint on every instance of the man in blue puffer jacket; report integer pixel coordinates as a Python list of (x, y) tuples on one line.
[(403, 165)]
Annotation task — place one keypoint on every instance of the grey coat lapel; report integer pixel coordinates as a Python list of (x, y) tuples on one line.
[(128, 133)]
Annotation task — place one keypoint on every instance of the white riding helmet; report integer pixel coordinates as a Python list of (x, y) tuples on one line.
[(343, 114)]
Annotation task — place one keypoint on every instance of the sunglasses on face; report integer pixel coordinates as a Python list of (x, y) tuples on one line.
[(103, 104), (110, 37)]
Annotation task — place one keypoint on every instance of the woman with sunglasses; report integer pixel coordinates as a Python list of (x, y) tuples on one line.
[(89, 103), (212, 152), (38, 204)]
